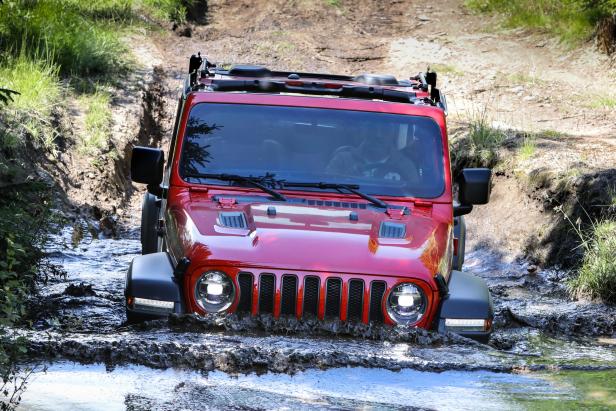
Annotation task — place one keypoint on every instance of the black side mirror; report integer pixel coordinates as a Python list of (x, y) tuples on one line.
[(146, 166), (475, 185)]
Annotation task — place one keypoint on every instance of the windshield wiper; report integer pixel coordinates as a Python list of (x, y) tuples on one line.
[(353, 188), (253, 181)]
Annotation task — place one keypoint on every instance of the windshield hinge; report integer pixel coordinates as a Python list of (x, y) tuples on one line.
[(397, 213)]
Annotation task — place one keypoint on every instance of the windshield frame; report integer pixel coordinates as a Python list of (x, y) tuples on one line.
[(433, 114)]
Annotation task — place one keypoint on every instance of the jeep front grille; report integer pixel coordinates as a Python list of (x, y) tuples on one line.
[(267, 288), (308, 296)]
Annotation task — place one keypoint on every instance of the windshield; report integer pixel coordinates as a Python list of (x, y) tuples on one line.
[(384, 154)]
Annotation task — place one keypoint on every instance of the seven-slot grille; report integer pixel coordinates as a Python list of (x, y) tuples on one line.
[(304, 294)]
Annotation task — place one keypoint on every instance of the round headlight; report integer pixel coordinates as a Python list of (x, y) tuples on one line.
[(214, 291), (406, 303)]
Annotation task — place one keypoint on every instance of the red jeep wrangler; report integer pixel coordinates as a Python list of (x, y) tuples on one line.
[(305, 194)]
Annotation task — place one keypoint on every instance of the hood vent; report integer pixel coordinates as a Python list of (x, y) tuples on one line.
[(337, 204), (233, 220), (391, 229)]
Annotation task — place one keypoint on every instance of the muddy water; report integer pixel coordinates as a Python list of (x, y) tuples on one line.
[(192, 362)]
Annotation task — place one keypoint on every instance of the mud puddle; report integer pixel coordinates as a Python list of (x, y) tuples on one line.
[(70, 386), (82, 319)]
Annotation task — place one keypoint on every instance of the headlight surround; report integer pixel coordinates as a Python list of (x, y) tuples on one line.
[(214, 291), (406, 303)]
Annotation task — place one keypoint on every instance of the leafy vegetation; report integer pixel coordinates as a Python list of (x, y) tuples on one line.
[(571, 20), (24, 221), (597, 275)]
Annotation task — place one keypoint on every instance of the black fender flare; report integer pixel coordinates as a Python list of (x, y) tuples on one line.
[(152, 277), (468, 298), (459, 232), (150, 210)]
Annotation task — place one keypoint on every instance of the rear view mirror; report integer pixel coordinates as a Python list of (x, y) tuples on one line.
[(474, 185), (146, 166)]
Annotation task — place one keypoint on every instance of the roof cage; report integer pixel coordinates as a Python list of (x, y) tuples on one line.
[(419, 89)]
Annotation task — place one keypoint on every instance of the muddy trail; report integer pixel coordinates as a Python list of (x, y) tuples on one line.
[(94, 360)]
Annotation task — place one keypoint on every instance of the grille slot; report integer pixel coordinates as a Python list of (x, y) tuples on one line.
[(332, 297), (356, 300), (245, 282), (311, 295), (376, 298), (233, 219), (267, 287), (289, 295)]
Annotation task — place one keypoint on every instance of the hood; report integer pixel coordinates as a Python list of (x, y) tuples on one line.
[(332, 237)]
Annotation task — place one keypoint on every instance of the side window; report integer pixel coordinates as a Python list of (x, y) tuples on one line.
[(174, 136)]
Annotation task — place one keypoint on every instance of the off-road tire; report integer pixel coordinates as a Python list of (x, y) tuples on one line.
[(149, 222)]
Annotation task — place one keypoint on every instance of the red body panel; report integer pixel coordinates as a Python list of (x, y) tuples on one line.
[(302, 239)]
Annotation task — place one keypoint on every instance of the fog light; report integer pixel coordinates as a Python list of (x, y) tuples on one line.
[(467, 324), (152, 305), (406, 303), (214, 291)]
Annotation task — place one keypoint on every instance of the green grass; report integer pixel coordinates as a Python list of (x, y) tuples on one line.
[(572, 21), (62, 30), (528, 148), (446, 69), (602, 102), (30, 113), (334, 3), (97, 121), (597, 275), (171, 10), (484, 140)]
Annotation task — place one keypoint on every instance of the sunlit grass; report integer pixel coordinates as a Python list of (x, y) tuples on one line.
[(528, 148), (446, 69), (597, 276), (29, 115), (97, 121), (602, 102), (573, 21)]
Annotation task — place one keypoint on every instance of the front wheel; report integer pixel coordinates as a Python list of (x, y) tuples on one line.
[(149, 222)]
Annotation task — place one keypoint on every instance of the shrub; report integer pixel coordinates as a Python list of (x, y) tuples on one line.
[(479, 144), (597, 275)]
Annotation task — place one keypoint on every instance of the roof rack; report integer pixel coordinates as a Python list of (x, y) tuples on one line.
[(206, 76)]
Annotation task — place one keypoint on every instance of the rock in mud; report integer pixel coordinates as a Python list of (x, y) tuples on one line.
[(80, 290)]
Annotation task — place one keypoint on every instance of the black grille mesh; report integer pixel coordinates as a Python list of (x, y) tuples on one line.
[(311, 295), (356, 299), (245, 282), (266, 293), (332, 298), (376, 297), (289, 295)]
